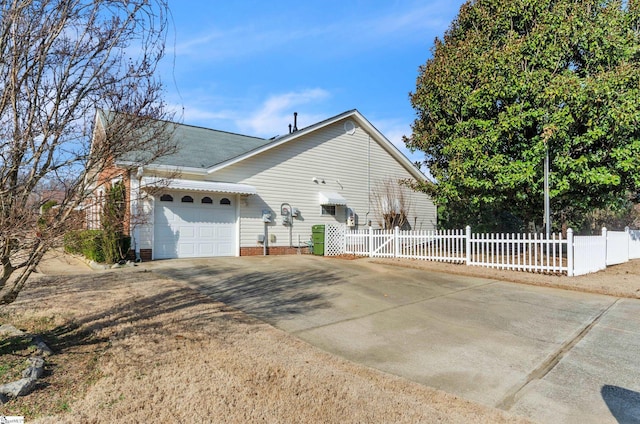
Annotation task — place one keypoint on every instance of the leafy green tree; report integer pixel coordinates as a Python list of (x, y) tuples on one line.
[(513, 77)]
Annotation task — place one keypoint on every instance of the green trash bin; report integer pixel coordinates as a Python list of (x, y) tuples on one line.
[(317, 237)]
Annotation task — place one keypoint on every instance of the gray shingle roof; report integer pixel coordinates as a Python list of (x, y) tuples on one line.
[(202, 148)]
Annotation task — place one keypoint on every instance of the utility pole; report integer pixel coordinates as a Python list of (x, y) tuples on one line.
[(547, 208)]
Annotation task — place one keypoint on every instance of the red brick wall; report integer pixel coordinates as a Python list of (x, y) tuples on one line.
[(145, 254), (275, 250)]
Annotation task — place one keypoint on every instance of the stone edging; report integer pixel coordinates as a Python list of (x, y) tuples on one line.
[(30, 375), (100, 267)]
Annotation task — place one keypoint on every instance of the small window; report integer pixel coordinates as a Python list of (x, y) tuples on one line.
[(207, 200), (166, 198), (187, 199), (225, 201), (329, 210)]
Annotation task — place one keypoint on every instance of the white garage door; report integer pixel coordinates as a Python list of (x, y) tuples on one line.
[(189, 225)]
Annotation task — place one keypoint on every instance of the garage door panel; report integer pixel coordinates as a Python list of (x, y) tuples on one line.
[(207, 249), (186, 232), (183, 230), (186, 249), (224, 232), (224, 249)]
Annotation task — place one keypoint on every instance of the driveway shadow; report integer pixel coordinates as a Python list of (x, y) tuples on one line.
[(269, 295), (138, 313), (624, 404)]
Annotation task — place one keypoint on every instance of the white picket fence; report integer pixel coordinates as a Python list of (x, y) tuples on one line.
[(573, 255), (519, 252)]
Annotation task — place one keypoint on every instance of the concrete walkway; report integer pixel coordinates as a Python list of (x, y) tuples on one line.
[(56, 262)]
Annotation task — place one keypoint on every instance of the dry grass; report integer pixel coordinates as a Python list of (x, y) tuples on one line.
[(132, 347), (619, 280)]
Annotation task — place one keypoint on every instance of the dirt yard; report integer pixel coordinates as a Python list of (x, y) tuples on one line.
[(619, 280), (130, 346)]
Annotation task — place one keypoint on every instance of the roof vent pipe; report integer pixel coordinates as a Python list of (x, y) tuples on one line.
[(289, 128), (295, 121)]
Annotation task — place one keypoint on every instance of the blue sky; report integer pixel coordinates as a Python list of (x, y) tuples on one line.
[(245, 66)]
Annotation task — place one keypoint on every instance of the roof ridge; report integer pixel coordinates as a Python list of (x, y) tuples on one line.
[(216, 130), (101, 112)]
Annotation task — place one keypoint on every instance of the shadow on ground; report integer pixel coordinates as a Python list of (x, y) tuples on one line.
[(81, 316), (272, 295), (624, 404), (109, 305), (114, 304), (144, 312)]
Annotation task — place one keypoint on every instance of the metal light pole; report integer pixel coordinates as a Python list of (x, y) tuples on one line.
[(547, 208)]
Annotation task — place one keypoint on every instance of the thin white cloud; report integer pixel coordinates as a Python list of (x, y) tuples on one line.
[(269, 119), (199, 113), (195, 114), (411, 23), (223, 44), (414, 22), (275, 114)]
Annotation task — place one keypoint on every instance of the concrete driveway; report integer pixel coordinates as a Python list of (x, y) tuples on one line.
[(552, 355)]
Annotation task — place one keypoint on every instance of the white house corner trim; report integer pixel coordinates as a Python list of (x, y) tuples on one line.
[(238, 224), (152, 226)]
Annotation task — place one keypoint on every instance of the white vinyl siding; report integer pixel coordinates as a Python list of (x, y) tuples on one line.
[(349, 165)]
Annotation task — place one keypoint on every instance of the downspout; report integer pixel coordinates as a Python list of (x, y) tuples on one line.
[(136, 228), (265, 240), (366, 216)]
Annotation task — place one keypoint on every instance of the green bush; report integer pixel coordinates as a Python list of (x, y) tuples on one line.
[(109, 244), (94, 245), (85, 242), (73, 242), (115, 246), (125, 245)]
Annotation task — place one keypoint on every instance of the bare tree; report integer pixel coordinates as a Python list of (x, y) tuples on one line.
[(63, 62), (391, 203)]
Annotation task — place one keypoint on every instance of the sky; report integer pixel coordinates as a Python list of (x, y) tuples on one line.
[(246, 66)]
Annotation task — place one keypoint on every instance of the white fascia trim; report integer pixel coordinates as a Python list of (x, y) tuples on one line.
[(203, 186), (391, 148), (165, 168)]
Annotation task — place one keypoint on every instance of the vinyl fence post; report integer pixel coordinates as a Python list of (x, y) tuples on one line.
[(606, 244), (570, 271), (344, 239), (396, 241), (370, 241), (626, 230), (468, 244)]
